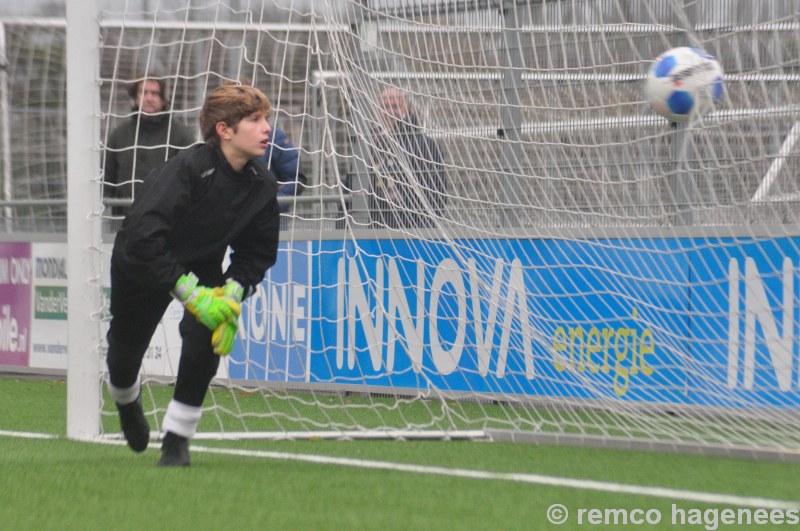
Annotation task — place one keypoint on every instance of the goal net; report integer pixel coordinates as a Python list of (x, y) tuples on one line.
[(496, 235)]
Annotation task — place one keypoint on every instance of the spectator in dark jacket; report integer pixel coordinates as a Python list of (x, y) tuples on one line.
[(409, 184), (144, 141)]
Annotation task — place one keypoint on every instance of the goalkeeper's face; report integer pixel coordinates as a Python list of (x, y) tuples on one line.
[(249, 138)]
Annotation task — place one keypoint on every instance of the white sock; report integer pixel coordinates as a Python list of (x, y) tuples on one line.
[(181, 419), (126, 395)]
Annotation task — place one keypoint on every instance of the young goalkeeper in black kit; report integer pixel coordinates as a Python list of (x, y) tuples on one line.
[(172, 244)]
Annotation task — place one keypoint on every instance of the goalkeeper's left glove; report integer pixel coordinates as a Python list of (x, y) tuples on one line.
[(225, 334), (233, 290)]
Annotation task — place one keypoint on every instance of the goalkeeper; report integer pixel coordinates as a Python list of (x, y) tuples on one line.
[(172, 244)]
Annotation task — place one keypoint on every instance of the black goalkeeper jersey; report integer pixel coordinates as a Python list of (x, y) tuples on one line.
[(187, 213)]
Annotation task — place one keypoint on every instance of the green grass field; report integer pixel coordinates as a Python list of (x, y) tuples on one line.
[(56, 483)]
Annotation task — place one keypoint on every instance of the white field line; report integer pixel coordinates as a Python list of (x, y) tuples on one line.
[(536, 479), (710, 498), (27, 435)]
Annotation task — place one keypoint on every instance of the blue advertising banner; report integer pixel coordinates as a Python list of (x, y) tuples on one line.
[(685, 321), (744, 323), (531, 317), (276, 321)]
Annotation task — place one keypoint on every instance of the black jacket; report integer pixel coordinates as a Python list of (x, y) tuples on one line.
[(189, 210)]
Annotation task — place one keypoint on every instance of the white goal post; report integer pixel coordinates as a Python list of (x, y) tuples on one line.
[(531, 254), (83, 230)]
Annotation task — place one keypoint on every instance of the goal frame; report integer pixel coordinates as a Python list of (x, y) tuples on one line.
[(83, 230), (85, 238)]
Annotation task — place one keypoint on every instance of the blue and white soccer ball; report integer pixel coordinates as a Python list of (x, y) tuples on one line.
[(684, 83)]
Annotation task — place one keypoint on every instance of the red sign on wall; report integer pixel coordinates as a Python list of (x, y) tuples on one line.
[(16, 271)]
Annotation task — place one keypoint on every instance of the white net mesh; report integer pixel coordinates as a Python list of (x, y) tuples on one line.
[(496, 231)]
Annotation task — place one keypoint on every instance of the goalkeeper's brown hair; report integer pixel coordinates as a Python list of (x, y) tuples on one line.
[(229, 104)]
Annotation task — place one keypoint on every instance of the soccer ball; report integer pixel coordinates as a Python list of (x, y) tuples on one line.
[(682, 83)]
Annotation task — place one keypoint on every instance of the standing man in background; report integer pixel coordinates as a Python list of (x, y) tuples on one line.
[(148, 138), (409, 186)]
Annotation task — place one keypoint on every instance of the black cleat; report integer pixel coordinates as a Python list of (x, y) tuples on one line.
[(174, 451), (134, 425)]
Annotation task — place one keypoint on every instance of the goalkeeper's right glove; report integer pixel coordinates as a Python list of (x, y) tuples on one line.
[(204, 303), (225, 334)]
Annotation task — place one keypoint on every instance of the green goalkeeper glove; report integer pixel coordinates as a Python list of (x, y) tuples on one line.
[(224, 337), (233, 290), (206, 304), (225, 334)]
